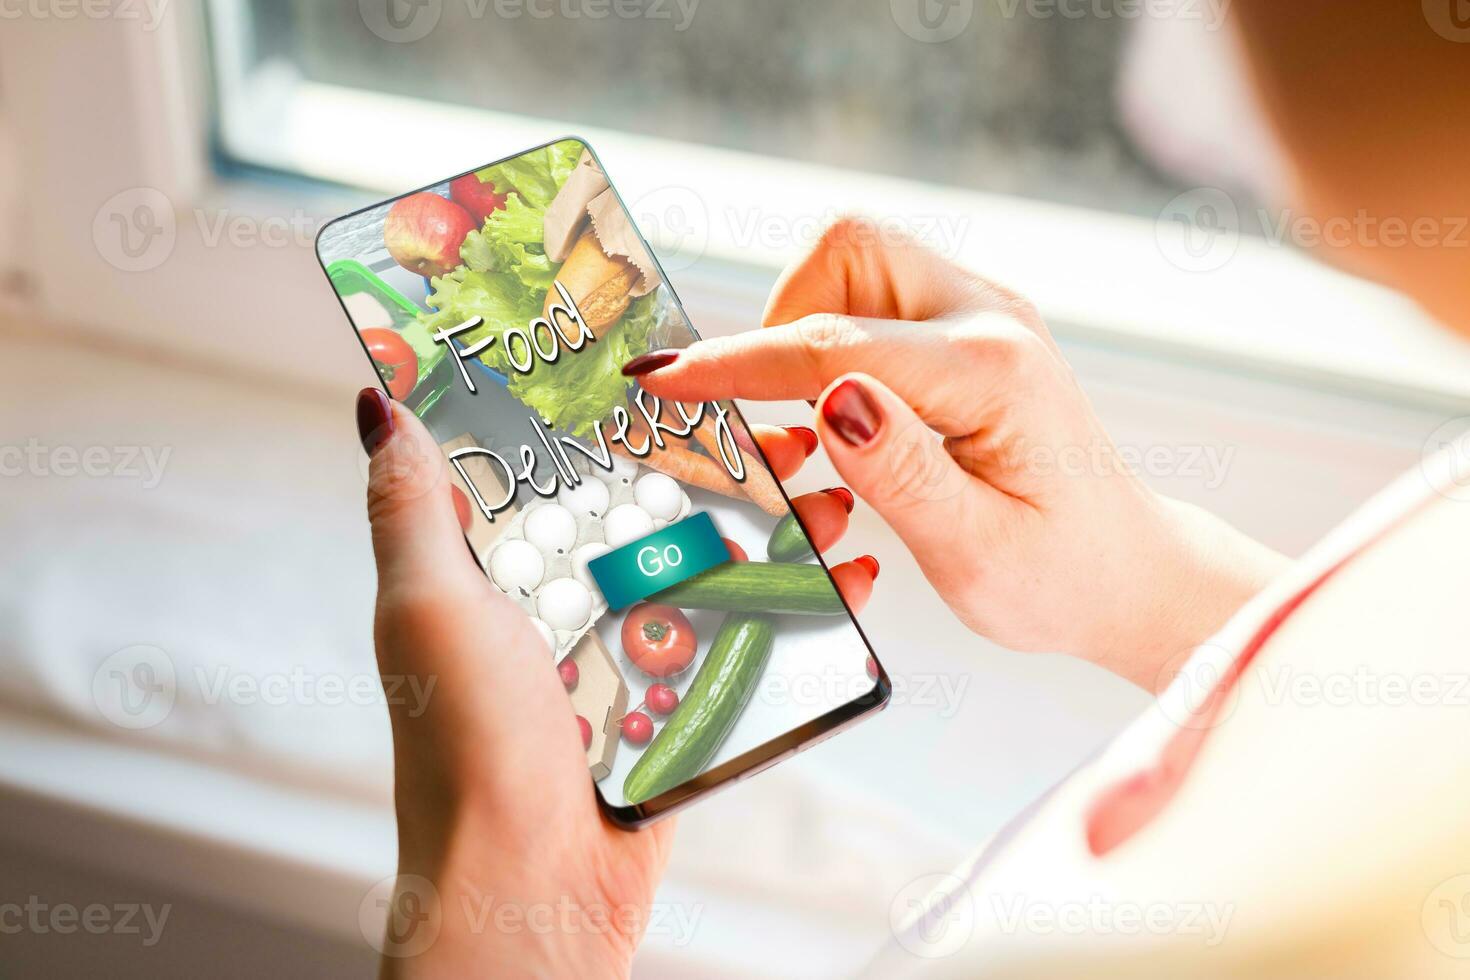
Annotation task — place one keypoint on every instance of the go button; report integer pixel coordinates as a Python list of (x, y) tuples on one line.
[(659, 560)]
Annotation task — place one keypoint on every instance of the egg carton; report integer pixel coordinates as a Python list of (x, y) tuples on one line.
[(541, 558)]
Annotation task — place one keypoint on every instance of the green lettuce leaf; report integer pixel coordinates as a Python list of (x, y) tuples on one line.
[(499, 299), (583, 387), (535, 176), (511, 241)]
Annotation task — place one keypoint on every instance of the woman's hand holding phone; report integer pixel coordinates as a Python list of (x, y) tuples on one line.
[(1022, 516), (494, 804)]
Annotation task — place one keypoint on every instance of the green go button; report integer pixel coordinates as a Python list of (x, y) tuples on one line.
[(663, 558)]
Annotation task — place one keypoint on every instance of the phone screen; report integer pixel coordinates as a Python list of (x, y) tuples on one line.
[(697, 633)]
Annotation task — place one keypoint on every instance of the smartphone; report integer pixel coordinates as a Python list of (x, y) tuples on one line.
[(700, 637)]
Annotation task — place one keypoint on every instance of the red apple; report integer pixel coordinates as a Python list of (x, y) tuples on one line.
[(476, 196), (423, 233)]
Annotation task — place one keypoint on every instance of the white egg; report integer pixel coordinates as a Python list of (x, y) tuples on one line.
[(591, 498), (659, 495), (626, 523), (565, 604), (546, 633), (580, 559), (623, 471), (551, 528), (516, 566)]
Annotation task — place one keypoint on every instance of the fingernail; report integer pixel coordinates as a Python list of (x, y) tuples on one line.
[(844, 495), (869, 563), (852, 414), (374, 418), (647, 363), (807, 436)]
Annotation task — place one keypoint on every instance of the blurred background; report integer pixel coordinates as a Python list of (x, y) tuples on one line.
[(196, 772)]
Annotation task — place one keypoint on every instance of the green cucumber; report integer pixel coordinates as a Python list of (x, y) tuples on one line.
[(757, 586), (715, 699), (789, 542)]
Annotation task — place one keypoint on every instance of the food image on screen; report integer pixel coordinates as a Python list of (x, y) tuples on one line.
[(680, 601)]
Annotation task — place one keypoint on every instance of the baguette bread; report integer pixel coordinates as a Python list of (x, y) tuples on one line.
[(599, 284)]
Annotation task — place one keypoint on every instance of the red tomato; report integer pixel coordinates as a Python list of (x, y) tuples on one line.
[(476, 196), (658, 639), (661, 699), (569, 673), (737, 553), (395, 359), (585, 727), (637, 728), (872, 667)]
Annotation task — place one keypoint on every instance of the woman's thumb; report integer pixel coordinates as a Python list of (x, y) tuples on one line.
[(416, 535), (897, 463)]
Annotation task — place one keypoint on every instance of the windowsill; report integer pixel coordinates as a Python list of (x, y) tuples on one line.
[(1095, 276)]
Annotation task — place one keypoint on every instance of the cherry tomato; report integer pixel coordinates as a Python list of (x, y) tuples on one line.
[(737, 553), (462, 508), (658, 639), (569, 674), (661, 699), (396, 361), (585, 727), (637, 728)]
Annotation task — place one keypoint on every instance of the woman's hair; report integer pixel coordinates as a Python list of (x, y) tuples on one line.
[(1369, 99)]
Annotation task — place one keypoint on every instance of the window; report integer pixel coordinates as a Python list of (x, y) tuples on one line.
[(1012, 104), (991, 129)]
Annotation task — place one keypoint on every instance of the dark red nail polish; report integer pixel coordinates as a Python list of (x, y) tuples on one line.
[(844, 495), (869, 563), (852, 414), (648, 363), (374, 418), (807, 436)]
